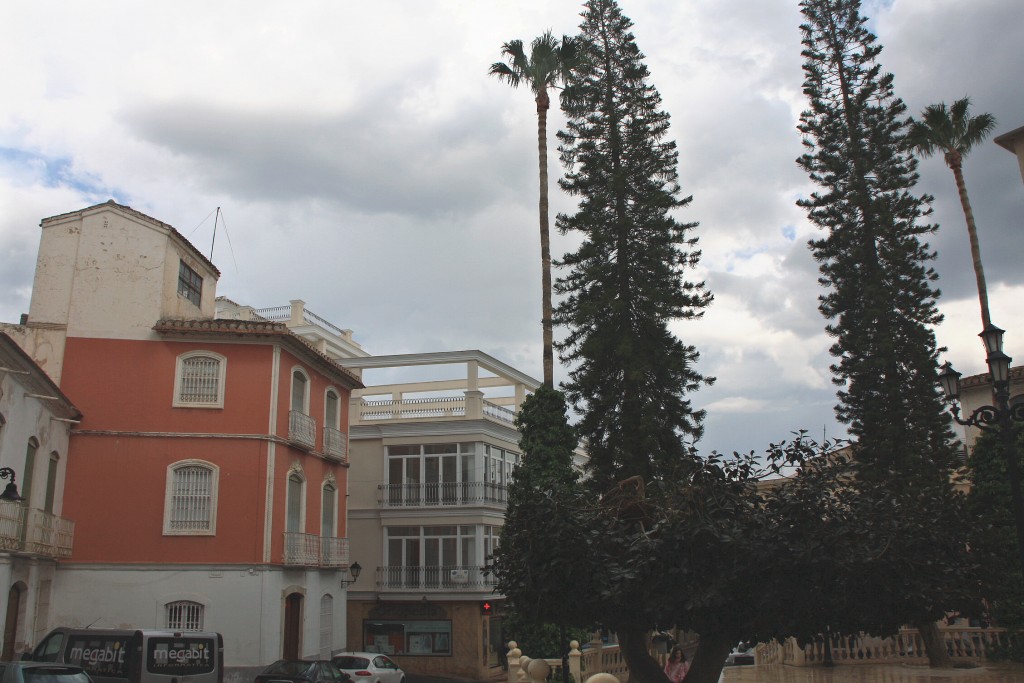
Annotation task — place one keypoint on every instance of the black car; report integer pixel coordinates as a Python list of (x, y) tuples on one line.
[(42, 672), (302, 671)]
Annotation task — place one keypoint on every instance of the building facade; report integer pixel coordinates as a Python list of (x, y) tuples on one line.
[(35, 425), (208, 478), (431, 461)]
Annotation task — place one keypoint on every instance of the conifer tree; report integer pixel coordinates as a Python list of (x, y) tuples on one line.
[(880, 297), (627, 281)]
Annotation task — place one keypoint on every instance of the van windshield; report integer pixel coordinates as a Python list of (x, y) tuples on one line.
[(54, 675), (182, 656)]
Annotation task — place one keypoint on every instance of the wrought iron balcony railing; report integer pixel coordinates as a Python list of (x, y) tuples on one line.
[(34, 531), (440, 578), (310, 550), (301, 429)]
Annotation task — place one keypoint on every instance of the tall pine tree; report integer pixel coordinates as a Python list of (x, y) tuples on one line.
[(625, 284), (880, 297), (627, 281)]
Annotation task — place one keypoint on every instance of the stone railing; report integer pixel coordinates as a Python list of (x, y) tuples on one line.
[(600, 663), (437, 578), (963, 644)]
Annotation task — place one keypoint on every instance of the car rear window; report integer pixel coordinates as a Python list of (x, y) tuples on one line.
[(288, 668), (351, 662), (54, 674)]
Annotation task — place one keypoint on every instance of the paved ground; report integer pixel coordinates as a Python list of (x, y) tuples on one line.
[(873, 673)]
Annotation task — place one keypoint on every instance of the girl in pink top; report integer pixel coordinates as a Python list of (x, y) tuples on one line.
[(676, 666)]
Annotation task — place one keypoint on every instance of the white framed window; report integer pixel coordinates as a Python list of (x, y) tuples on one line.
[(295, 506), (199, 380), (184, 615), (190, 505), (190, 283), (300, 391)]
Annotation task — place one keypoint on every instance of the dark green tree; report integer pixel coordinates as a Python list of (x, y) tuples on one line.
[(627, 280), (994, 539), (537, 563), (624, 285), (880, 297)]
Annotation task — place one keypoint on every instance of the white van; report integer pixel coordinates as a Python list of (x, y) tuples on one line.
[(139, 656)]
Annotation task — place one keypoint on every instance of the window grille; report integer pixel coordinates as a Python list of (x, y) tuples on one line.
[(200, 380), (185, 615), (190, 284), (191, 499)]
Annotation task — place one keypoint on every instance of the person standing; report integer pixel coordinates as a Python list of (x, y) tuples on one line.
[(676, 666)]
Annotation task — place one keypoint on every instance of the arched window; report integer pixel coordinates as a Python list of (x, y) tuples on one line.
[(29, 470), (190, 506), (184, 615), (296, 489), (300, 392), (51, 482), (199, 380), (328, 510), (326, 626)]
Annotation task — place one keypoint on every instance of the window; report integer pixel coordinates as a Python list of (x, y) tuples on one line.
[(51, 482), (293, 508), (184, 615), (190, 284), (300, 392), (190, 507), (424, 638), (199, 380)]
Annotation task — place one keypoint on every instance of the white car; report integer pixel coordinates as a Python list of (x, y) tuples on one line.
[(369, 667)]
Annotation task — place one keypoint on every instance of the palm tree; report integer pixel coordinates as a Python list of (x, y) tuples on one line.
[(549, 63), (954, 132)]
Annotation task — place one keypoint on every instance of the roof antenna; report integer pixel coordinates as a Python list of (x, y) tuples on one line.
[(214, 240)]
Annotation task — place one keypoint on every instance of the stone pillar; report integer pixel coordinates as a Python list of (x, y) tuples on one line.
[(298, 316), (514, 653), (472, 375), (575, 661), (474, 405)]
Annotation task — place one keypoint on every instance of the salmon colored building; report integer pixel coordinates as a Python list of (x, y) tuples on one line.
[(208, 478)]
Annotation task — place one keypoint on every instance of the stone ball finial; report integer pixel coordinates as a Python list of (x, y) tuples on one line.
[(603, 678), (574, 644), (512, 645), (539, 670)]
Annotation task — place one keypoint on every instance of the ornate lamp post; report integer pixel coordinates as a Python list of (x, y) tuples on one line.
[(997, 418), (11, 490)]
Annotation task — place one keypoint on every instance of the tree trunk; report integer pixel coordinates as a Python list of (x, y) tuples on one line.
[(709, 659), (545, 240), (972, 235), (643, 668), (934, 646)]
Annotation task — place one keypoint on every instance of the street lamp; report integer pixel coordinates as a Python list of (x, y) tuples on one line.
[(355, 570), (997, 418), (11, 491)]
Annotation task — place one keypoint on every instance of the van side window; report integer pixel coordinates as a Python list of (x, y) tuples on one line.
[(49, 649)]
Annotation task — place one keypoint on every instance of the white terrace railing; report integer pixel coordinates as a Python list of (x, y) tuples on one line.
[(429, 408), (441, 494), (963, 644)]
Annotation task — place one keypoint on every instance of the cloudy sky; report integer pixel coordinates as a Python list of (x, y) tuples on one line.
[(365, 163)]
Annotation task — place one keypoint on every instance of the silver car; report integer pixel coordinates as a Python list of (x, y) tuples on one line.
[(369, 667), (42, 672)]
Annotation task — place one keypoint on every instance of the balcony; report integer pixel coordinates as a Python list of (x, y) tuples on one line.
[(442, 494), (336, 444), (443, 578), (34, 531), (301, 430), (398, 410), (310, 550)]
